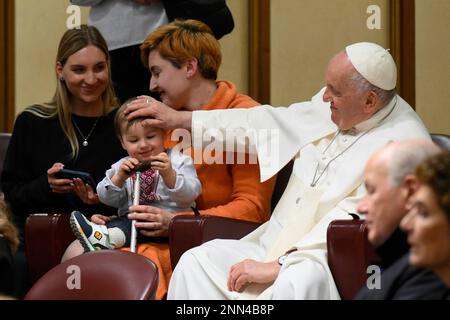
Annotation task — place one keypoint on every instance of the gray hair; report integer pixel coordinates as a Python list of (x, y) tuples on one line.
[(406, 156), (363, 86)]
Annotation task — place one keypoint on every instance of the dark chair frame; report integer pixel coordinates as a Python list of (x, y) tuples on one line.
[(442, 140)]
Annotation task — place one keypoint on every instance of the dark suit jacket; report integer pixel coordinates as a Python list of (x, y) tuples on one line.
[(399, 280)]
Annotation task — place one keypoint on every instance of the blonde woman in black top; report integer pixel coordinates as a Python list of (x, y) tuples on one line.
[(74, 130)]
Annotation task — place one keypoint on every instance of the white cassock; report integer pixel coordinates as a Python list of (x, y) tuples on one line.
[(333, 160)]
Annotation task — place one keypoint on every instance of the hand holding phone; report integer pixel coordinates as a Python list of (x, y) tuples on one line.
[(72, 174), (58, 184)]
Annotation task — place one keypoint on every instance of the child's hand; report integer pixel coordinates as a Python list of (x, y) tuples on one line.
[(100, 219), (124, 172), (126, 168), (162, 163)]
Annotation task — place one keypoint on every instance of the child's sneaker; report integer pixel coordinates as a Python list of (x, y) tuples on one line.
[(91, 236)]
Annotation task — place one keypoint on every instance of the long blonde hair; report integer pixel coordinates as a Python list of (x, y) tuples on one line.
[(7, 229), (71, 42)]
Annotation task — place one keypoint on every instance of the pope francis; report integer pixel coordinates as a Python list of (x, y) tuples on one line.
[(330, 139)]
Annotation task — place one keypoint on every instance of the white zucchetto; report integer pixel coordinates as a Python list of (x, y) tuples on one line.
[(374, 63)]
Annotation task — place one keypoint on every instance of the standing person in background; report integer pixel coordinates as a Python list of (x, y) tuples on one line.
[(214, 13), (126, 23), (75, 130)]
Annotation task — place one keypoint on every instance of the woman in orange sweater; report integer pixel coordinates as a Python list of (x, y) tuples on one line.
[(183, 58)]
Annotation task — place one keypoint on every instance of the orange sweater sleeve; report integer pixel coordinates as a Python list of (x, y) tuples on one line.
[(249, 199)]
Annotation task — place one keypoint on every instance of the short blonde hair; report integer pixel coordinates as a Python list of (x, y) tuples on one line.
[(121, 121), (182, 40)]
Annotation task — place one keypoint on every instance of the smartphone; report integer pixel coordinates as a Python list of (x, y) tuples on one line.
[(71, 174)]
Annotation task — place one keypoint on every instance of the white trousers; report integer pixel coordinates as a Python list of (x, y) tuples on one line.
[(202, 274)]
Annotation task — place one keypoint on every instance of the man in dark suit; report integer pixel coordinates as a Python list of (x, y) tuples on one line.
[(390, 182)]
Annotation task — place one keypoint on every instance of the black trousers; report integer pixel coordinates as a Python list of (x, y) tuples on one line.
[(20, 280), (130, 77)]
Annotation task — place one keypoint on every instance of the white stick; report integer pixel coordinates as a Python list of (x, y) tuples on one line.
[(136, 194)]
